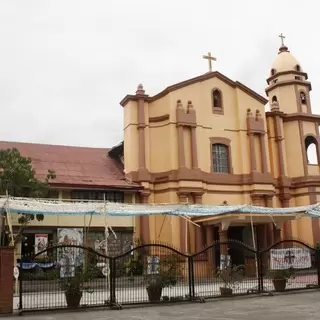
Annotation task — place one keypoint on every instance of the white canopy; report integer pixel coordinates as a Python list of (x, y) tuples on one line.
[(57, 207)]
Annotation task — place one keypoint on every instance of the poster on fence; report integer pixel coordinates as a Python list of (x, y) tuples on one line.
[(40, 242), (69, 257), (153, 264), (297, 258)]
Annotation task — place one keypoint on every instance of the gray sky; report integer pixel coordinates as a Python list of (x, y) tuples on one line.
[(65, 65)]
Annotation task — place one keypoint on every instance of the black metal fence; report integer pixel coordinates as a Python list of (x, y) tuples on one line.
[(67, 276)]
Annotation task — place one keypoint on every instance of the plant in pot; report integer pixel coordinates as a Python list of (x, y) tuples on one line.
[(163, 274), (280, 278), (75, 283), (230, 276)]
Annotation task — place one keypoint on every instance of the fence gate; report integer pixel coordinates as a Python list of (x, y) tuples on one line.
[(64, 275), (290, 265)]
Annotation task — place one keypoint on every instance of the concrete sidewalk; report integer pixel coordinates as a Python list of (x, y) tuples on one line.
[(291, 306)]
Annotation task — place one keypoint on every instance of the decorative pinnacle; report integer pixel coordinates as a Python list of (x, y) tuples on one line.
[(140, 90)]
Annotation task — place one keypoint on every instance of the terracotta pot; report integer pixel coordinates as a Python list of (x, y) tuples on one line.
[(73, 299), (279, 284), (226, 292), (154, 294)]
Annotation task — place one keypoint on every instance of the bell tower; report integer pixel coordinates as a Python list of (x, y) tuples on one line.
[(292, 128), (287, 84)]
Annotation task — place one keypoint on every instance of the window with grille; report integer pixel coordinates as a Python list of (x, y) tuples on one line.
[(220, 158), (112, 196)]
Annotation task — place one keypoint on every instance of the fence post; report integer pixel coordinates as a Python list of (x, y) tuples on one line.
[(21, 275), (318, 264), (259, 267), (260, 272), (112, 262), (191, 278)]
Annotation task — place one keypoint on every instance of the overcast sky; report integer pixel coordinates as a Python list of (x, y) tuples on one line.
[(65, 65)]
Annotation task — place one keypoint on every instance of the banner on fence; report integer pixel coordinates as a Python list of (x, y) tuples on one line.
[(69, 257), (297, 258), (40, 242), (225, 261), (153, 264)]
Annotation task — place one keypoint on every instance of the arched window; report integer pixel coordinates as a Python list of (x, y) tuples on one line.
[(220, 158), (298, 68), (274, 99), (311, 146), (273, 72), (217, 99), (303, 98)]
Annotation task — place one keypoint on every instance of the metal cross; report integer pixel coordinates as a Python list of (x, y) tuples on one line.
[(282, 38), (210, 59)]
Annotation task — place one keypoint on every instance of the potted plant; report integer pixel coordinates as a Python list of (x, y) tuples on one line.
[(165, 273), (230, 276), (280, 278), (75, 283)]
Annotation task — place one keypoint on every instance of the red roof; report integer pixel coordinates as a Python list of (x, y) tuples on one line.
[(74, 166)]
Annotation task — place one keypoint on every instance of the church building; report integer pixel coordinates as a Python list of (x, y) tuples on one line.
[(207, 140), (210, 140)]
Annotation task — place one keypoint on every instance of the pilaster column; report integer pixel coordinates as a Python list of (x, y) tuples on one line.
[(194, 151), (263, 154), (141, 127), (183, 198), (276, 234), (209, 242), (252, 152), (199, 230), (181, 154), (278, 140), (144, 220), (262, 236), (199, 237), (269, 228), (223, 238)]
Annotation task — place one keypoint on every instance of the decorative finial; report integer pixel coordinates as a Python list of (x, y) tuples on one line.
[(190, 106), (258, 114), (179, 104), (140, 89), (210, 59)]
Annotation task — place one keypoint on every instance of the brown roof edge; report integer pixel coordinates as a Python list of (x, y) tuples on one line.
[(191, 81), (132, 187), (251, 93)]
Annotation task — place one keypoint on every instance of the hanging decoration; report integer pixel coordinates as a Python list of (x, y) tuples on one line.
[(57, 207)]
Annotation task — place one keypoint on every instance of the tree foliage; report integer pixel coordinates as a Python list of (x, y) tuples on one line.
[(18, 179)]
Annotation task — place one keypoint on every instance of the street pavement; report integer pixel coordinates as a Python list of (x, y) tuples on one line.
[(291, 306)]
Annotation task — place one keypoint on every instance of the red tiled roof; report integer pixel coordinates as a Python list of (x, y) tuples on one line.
[(74, 166)]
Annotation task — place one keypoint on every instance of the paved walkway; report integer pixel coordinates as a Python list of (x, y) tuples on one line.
[(285, 307)]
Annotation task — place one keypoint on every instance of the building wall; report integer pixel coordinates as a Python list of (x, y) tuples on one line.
[(173, 133)]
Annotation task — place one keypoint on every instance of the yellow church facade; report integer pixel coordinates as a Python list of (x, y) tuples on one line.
[(209, 140)]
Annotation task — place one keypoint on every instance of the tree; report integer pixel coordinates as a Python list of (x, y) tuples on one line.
[(18, 179)]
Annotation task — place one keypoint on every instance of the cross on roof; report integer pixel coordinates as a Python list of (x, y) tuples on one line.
[(210, 59)]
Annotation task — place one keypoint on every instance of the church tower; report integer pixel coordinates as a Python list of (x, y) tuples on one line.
[(293, 133), (287, 85)]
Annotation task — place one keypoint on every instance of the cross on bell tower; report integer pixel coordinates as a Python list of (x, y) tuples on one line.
[(282, 37)]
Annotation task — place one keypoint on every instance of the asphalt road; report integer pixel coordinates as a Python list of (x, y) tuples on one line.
[(285, 307)]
